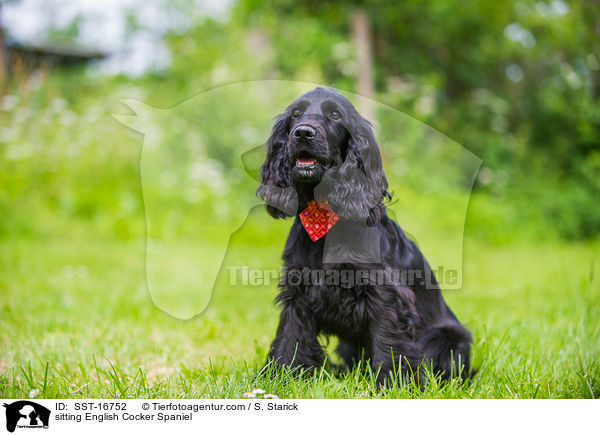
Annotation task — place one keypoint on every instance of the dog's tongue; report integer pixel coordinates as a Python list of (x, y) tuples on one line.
[(305, 161)]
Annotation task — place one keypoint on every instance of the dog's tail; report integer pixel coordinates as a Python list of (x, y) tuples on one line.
[(447, 349)]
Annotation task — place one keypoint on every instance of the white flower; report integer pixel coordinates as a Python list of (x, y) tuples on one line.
[(258, 393), (33, 393)]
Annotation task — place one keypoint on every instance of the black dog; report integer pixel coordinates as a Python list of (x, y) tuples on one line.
[(323, 166)]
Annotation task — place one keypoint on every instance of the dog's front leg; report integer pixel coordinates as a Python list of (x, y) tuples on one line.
[(393, 353), (296, 342)]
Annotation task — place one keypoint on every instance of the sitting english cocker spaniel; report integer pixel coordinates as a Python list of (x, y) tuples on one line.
[(349, 270)]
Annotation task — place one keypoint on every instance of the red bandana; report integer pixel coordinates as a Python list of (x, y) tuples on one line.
[(317, 219)]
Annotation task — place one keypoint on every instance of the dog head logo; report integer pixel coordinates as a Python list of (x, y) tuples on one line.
[(199, 171), (26, 414)]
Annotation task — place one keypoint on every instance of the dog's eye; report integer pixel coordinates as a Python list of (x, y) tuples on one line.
[(335, 115), (296, 113)]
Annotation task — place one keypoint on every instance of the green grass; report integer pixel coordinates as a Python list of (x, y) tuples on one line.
[(77, 321)]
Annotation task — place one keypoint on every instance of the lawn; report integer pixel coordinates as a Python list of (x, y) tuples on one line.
[(77, 322)]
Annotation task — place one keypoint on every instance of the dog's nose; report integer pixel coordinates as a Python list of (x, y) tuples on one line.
[(304, 132)]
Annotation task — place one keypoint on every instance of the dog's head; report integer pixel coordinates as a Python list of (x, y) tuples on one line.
[(322, 148)]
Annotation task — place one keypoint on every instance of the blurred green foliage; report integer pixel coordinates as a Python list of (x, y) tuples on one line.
[(515, 82)]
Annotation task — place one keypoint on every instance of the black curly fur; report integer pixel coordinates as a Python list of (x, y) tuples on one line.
[(392, 325)]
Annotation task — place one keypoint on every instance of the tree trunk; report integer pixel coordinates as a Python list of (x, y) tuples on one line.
[(361, 30), (3, 56)]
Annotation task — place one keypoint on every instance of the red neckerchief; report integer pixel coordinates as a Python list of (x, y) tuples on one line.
[(317, 219)]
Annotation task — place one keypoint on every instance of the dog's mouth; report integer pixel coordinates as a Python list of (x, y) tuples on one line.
[(308, 167), (307, 162)]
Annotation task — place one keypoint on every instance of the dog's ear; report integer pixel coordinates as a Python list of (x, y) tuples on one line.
[(358, 186), (276, 173)]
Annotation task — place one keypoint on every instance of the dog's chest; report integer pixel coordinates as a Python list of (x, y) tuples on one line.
[(329, 292), (339, 309)]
